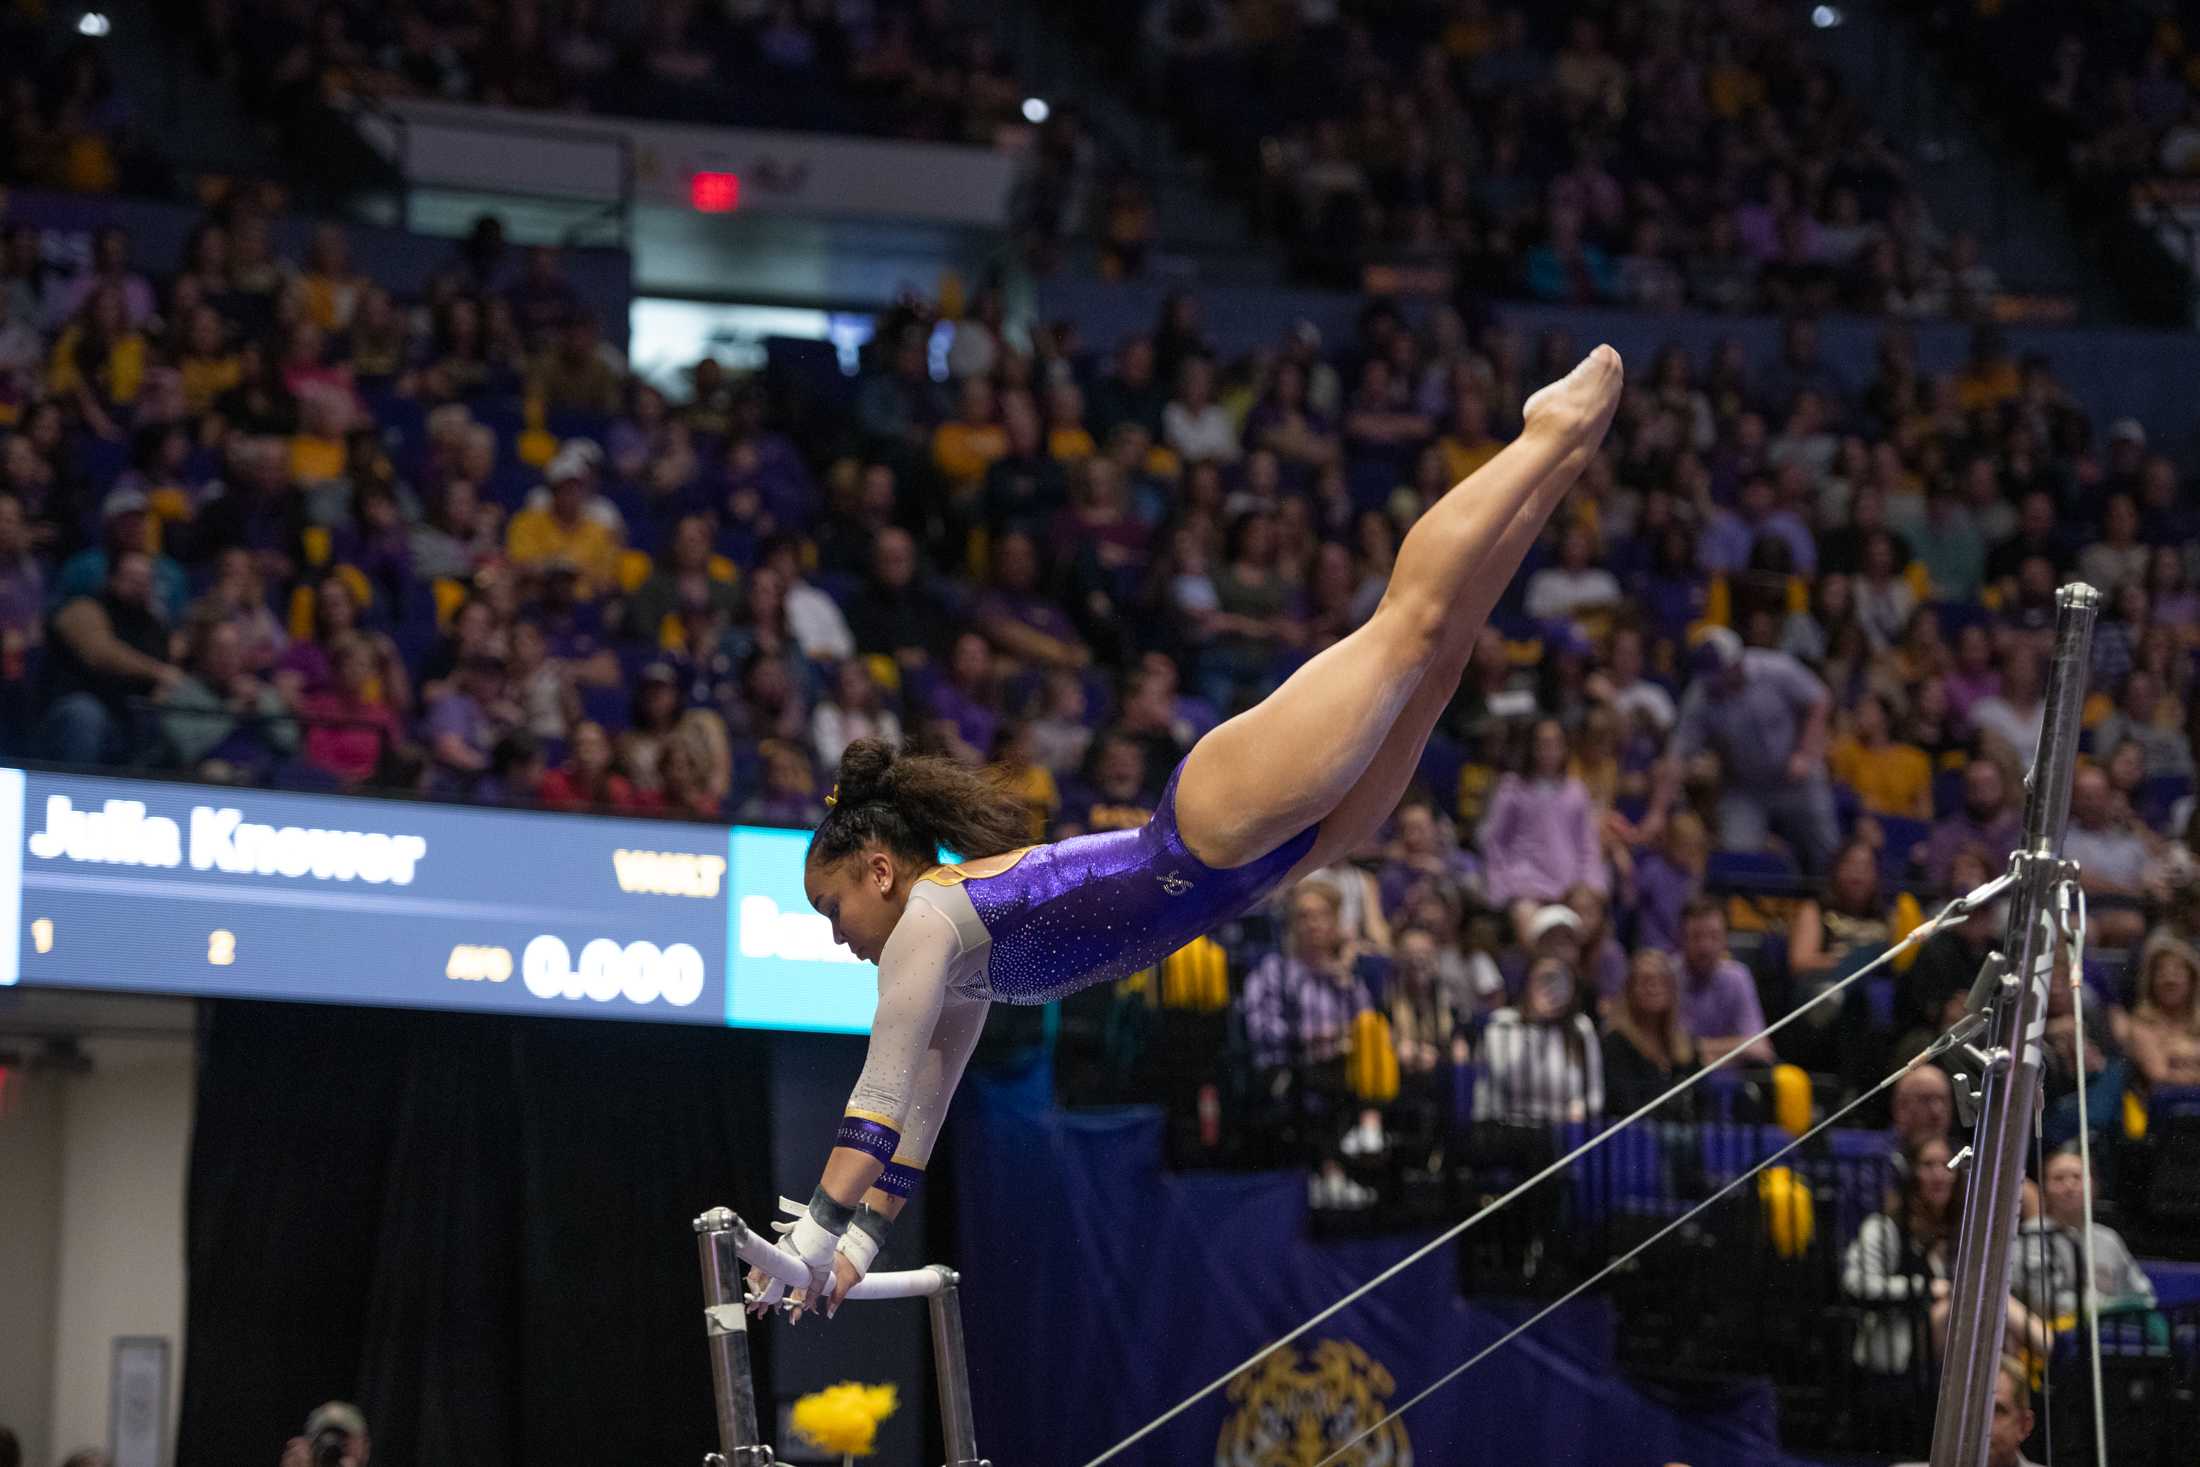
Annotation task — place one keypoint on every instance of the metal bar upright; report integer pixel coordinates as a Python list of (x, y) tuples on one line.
[(1978, 1312), (725, 1321), (949, 1361)]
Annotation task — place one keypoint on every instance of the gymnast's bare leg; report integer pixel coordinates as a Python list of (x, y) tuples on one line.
[(1336, 743)]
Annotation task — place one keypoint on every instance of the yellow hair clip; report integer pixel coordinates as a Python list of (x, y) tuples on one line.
[(833, 798)]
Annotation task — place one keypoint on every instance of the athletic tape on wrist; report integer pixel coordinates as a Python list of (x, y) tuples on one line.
[(870, 1222), (860, 1245)]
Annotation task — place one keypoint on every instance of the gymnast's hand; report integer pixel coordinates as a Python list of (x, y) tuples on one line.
[(846, 1274)]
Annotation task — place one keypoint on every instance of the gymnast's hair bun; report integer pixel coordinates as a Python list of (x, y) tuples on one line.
[(867, 772)]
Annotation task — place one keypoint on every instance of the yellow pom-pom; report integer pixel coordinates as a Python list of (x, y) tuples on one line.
[(844, 1418), (1791, 1099), (1791, 1215)]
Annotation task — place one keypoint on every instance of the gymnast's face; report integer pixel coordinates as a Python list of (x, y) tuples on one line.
[(862, 896)]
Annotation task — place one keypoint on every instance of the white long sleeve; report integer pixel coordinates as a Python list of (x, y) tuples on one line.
[(913, 972)]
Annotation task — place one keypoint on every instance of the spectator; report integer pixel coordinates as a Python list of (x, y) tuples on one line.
[(1018, 620), (468, 718), (218, 713), (965, 703), (1898, 1263), (1647, 1049), (1948, 962), (1425, 1022), (1421, 849), (564, 529), (1573, 585), (349, 727), (789, 793), (894, 614), (854, 710), (2165, 1019), (1765, 715), (1986, 821), (1119, 797), (684, 571), (2009, 720), (2050, 1253), (1300, 1002), (578, 373), (2139, 716), (1668, 878), (1541, 1061), (1718, 997), (970, 443), (125, 524), (589, 779), (2119, 558), (1891, 778), (2112, 858), (1924, 1109), (106, 652), (1193, 425), (1540, 838)]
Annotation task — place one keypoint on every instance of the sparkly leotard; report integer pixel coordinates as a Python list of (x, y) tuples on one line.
[(1056, 919), (1095, 908)]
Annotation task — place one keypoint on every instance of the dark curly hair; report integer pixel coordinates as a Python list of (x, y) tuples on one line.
[(914, 804)]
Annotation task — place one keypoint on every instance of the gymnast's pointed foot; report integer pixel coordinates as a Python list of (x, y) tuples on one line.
[(1578, 406)]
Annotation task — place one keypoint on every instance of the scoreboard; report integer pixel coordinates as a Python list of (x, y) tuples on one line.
[(164, 887)]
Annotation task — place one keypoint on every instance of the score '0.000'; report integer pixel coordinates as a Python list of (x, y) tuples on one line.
[(641, 972)]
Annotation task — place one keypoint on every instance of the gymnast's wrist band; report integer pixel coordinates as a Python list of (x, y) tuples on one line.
[(870, 1133), (900, 1178), (872, 1223), (817, 1232)]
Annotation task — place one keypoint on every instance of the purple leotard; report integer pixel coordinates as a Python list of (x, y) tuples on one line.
[(1095, 908)]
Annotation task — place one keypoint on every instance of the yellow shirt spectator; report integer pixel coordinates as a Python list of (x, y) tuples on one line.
[(116, 380), (1070, 445), (1463, 456), (1891, 779), (964, 447), (563, 529), (205, 379), (315, 459), (538, 536)]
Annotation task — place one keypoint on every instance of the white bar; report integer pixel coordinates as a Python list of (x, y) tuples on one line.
[(759, 1252)]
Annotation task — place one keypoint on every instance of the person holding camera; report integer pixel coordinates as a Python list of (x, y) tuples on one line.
[(335, 1436)]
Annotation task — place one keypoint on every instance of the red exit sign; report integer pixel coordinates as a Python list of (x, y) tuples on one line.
[(714, 193)]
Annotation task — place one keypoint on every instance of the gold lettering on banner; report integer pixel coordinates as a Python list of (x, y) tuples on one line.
[(668, 873), (1293, 1412)]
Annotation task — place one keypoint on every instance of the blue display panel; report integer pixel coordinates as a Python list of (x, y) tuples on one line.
[(163, 887), (788, 973)]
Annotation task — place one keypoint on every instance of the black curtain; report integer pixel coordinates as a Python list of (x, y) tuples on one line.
[(475, 1227)]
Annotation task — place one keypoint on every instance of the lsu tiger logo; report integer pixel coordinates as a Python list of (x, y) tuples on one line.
[(1293, 1412)]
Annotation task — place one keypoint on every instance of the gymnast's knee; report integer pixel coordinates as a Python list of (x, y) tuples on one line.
[(1412, 624)]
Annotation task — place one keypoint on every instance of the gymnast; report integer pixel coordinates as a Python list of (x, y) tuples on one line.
[(1284, 788)]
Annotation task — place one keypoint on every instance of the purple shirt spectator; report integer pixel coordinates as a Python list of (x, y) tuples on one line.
[(1539, 840), (1729, 538), (1295, 1014), (458, 713), (1662, 889), (974, 721), (1722, 1003), (1754, 727)]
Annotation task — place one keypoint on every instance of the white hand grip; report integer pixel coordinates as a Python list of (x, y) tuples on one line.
[(779, 1263)]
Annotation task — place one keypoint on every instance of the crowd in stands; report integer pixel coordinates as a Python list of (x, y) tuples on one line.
[(2107, 91), (901, 68), (64, 121), (1657, 156), (261, 521)]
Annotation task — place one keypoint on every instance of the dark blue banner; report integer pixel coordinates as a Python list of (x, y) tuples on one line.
[(1100, 1289)]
